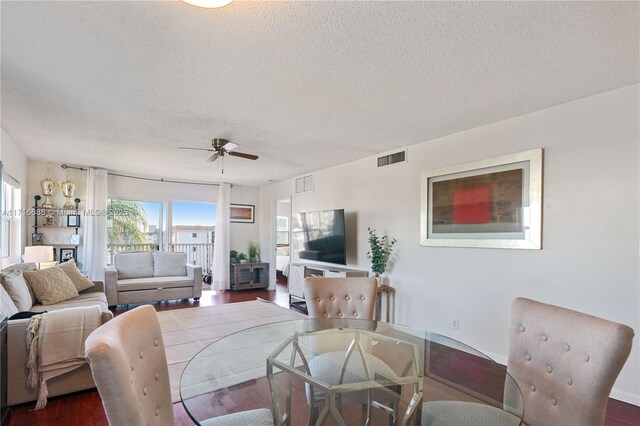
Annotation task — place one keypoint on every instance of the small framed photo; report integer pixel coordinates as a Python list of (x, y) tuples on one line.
[(242, 213), (50, 219), (75, 240), (67, 254), (37, 239), (73, 220)]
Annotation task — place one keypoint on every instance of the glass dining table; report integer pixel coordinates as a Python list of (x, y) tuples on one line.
[(342, 372)]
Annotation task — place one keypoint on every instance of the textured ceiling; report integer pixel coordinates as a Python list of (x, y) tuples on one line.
[(305, 85)]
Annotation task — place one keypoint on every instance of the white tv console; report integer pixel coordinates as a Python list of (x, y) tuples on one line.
[(301, 270)]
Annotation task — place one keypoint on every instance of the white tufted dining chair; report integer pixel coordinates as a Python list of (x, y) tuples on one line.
[(565, 363), (347, 298), (129, 365), (342, 298)]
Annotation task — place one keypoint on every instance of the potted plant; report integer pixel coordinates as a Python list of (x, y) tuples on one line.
[(380, 251), (233, 256), (254, 256), (242, 258)]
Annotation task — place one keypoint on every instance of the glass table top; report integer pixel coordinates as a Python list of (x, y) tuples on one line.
[(328, 370)]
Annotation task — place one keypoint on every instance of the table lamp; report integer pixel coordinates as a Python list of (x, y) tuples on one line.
[(38, 254)]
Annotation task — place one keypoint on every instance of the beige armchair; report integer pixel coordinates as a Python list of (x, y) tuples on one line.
[(129, 365), (565, 363)]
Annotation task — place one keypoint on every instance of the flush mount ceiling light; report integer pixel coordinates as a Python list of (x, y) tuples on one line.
[(209, 4)]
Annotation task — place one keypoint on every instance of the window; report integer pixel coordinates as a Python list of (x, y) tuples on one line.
[(191, 219), (11, 222), (133, 225), (282, 230), (7, 214), (187, 227)]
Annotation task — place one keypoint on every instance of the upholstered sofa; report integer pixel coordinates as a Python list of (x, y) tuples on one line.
[(145, 277), (74, 381)]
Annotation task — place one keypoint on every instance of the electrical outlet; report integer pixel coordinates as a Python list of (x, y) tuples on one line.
[(455, 324)]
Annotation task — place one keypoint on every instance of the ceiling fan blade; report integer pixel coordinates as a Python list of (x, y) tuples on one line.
[(213, 158), (243, 155), (197, 149), (230, 146)]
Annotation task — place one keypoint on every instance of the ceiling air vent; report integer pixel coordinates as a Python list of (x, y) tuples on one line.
[(304, 184), (396, 157)]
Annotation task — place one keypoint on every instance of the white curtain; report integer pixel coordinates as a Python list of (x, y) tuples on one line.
[(94, 254), (168, 239), (221, 244)]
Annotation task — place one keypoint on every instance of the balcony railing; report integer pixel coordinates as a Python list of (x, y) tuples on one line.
[(112, 249), (200, 254)]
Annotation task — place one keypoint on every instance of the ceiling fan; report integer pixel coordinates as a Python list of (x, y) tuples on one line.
[(220, 148)]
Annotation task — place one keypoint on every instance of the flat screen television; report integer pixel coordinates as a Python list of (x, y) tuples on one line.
[(319, 236)]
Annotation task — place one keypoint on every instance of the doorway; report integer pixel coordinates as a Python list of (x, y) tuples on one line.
[(282, 240)]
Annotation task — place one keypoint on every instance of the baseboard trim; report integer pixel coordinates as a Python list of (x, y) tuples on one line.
[(627, 397)]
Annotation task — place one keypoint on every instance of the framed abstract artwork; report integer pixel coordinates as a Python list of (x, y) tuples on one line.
[(493, 203), (242, 213)]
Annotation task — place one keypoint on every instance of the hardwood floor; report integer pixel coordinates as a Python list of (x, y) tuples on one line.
[(85, 408)]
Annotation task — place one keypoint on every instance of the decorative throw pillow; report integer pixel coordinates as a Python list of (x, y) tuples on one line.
[(80, 281), (22, 267), (18, 290), (7, 307), (51, 285)]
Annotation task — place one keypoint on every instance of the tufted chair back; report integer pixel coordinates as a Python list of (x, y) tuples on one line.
[(565, 362), (129, 366), (345, 298)]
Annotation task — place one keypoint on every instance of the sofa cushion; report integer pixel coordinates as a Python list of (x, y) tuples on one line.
[(134, 264), (7, 307), (154, 282), (168, 264), (80, 281), (22, 267), (51, 285), (84, 299), (18, 290)]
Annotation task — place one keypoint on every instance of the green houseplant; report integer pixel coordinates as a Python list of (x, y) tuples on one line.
[(242, 258), (254, 255), (380, 251)]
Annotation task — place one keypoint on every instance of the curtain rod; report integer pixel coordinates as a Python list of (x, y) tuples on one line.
[(66, 166)]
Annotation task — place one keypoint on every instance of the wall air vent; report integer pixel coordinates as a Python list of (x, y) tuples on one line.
[(304, 184), (389, 159)]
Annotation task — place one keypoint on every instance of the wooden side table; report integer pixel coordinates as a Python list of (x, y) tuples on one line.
[(248, 276), (387, 291)]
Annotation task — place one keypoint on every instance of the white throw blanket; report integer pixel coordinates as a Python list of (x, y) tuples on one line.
[(55, 344)]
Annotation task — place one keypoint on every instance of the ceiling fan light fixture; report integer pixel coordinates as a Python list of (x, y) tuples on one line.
[(209, 4)]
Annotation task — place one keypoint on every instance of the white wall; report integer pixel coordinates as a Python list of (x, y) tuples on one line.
[(15, 163), (242, 233), (590, 260)]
